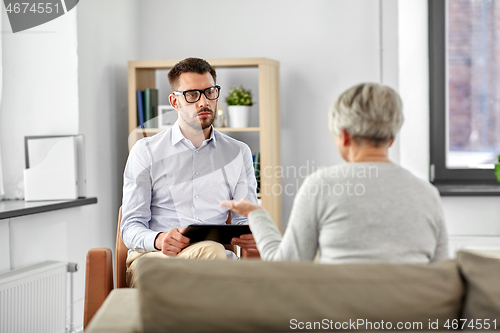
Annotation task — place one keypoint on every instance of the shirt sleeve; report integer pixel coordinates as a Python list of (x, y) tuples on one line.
[(246, 188), (300, 241), (136, 206)]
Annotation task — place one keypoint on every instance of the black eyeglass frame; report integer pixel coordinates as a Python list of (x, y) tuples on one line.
[(203, 91)]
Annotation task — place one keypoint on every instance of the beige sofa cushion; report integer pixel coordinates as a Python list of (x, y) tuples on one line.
[(481, 272), (251, 296), (119, 313)]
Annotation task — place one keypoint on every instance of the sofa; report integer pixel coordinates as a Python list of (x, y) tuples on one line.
[(254, 296)]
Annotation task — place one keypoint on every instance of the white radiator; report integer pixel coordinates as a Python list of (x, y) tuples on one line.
[(33, 299)]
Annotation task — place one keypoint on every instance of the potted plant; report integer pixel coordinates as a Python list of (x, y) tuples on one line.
[(497, 169), (239, 102)]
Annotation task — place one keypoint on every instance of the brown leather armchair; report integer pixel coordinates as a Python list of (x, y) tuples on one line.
[(99, 274), (99, 271)]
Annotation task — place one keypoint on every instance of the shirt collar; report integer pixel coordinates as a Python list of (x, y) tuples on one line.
[(212, 137), (177, 135)]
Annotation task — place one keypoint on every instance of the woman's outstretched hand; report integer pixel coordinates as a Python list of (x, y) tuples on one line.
[(243, 207)]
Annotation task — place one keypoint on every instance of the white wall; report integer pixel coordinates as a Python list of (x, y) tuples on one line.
[(389, 58), (106, 42), (40, 91), (40, 97), (65, 77)]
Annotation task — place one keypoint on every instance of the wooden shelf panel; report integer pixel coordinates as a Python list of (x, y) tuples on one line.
[(166, 64)]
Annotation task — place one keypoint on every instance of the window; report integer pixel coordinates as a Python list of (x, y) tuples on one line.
[(464, 52)]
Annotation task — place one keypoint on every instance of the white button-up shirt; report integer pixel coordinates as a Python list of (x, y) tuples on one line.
[(168, 183)]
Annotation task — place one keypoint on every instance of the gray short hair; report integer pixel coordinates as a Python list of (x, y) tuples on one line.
[(367, 111)]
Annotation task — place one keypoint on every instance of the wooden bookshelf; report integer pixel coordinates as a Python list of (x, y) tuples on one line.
[(142, 75)]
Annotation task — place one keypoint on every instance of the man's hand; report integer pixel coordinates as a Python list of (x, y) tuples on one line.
[(246, 242), (172, 242), (243, 207)]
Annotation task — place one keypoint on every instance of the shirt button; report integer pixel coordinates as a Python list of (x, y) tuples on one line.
[(196, 197), (197, 173), (196, 151)]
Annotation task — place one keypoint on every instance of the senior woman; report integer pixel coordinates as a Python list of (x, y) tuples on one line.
[(366, 210)]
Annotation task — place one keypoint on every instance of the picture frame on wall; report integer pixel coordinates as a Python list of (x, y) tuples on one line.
[(167, 116), (55, 167)]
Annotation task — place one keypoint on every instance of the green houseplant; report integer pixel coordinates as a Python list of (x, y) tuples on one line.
[(239, 96), (239, 102), (497, 169)]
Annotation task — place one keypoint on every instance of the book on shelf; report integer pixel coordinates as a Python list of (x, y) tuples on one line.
[(140, 108), (256, 167), (151, 108)]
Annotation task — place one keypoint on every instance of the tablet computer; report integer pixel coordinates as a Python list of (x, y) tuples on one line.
[(222, 233)]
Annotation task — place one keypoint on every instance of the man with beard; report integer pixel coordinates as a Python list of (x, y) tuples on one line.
[(179, 176)]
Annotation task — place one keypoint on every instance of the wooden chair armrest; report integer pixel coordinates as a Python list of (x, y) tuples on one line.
[(246, 255), (98, 280)]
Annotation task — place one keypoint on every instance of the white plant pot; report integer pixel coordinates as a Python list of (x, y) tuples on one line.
[(238, 115)]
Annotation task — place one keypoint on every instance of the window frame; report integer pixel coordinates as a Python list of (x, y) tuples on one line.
[(454, 181)]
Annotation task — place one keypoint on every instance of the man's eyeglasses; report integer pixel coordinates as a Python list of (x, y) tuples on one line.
[(193, 96)]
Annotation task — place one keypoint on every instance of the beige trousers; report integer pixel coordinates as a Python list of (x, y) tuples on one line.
[(206, 250)]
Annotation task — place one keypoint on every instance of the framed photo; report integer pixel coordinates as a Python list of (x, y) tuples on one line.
[(55, 167), (167, 116)]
